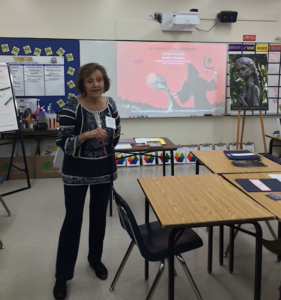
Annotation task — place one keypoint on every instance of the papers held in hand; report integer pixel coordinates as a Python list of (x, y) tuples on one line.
[(152, 144)]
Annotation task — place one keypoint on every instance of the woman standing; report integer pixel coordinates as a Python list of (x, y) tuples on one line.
[(89, 131)]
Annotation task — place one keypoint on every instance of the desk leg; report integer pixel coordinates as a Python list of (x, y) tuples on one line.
[(231, 249), (164, 163), (171, 285), (279, 236), (146, 211), (210, 248), (197, 167), (258, 261), (172, 163), (270, 146), (221, 245), (146, 263)]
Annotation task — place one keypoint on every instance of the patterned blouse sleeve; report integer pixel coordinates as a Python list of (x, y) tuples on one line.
[(66, 139), (117, 122)]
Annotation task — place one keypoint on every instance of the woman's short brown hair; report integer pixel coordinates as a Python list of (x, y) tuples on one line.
[(85, 71)]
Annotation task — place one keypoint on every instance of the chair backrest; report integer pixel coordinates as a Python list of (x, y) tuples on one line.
[(128, 221)]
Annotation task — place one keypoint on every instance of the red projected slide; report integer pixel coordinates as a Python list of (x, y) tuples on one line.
[(171, 77)]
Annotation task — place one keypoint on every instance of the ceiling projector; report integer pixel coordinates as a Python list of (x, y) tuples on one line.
[(184, 20)]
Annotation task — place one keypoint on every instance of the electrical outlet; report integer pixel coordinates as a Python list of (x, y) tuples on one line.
[(156, 15)]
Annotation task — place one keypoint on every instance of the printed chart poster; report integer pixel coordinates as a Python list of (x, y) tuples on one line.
[(171, 79), (179, 156), (190, 158)]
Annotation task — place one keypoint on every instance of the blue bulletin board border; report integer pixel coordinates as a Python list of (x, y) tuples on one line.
[(71, 59)]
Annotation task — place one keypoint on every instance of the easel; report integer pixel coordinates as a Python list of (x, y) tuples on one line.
[(16, 128), (239, 144)]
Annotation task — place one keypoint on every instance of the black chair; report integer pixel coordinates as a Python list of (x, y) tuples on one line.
[(152, 241)]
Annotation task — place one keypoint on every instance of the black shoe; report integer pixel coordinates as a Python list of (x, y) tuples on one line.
[(100, 270), (60, 289)]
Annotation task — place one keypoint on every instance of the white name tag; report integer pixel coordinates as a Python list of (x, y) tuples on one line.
[(110, 122)]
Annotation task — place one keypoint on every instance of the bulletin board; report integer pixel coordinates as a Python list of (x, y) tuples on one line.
[(44, 69), (273, 83)]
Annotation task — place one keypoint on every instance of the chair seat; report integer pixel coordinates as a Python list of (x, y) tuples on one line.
[(2, 179), (273, 246), (272, 158), (156, 240)]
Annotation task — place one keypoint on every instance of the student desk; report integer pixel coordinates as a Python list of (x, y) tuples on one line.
[(217, 162), (203, 200), (142, 150)]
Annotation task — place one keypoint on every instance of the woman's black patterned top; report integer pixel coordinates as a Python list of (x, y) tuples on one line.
[(87, 164)]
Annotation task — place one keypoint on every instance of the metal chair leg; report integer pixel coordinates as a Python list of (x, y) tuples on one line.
[(122, 266), (156, 280), (1, 245), (271, 230), (189, 276), (5, 206), (227, 249)]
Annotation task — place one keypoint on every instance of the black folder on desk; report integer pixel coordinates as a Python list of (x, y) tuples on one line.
[(231, 155), (273, 184)]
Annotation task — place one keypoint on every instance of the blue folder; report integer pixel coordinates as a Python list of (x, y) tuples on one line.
[(272, 183), (229, 155)]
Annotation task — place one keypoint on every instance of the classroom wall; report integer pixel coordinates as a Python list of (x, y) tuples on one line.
[(128, 20)]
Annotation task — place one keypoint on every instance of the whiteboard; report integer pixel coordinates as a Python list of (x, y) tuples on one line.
[(8, 114), (162, 79)]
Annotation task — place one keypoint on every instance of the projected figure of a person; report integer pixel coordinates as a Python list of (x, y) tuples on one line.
[(197, 87), (251, 93)]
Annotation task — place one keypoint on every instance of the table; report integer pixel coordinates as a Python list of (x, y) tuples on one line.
[(142, 150), (273, 206), (203, 200), (273, 138), (217, 162)]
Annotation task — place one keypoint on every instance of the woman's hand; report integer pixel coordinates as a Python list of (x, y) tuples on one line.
[(98, 134)]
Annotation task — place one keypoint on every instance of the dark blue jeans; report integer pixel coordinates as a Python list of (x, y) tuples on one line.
[(71, 228)]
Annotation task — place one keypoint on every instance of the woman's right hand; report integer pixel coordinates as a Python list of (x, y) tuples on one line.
[(98, 134)]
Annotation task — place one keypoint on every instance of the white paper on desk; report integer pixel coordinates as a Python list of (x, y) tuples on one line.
[(275, 176), (123, 146), (260, 185), (242, 154), (143, 140)]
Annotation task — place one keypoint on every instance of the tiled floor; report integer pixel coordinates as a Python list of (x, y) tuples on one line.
[(30, 236)]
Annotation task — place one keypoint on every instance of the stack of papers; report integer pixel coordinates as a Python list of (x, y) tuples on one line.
[(145, 140), (241, 155)]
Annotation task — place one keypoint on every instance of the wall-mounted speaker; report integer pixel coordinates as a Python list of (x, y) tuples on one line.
[(226, 16)]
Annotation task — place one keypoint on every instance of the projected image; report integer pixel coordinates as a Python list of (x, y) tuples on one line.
[(248, 81), (175, 79)]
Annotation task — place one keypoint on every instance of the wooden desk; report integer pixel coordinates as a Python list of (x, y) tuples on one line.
[(203, 200), (273, 206), (136, 150), (217, 162), (273, 138)]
